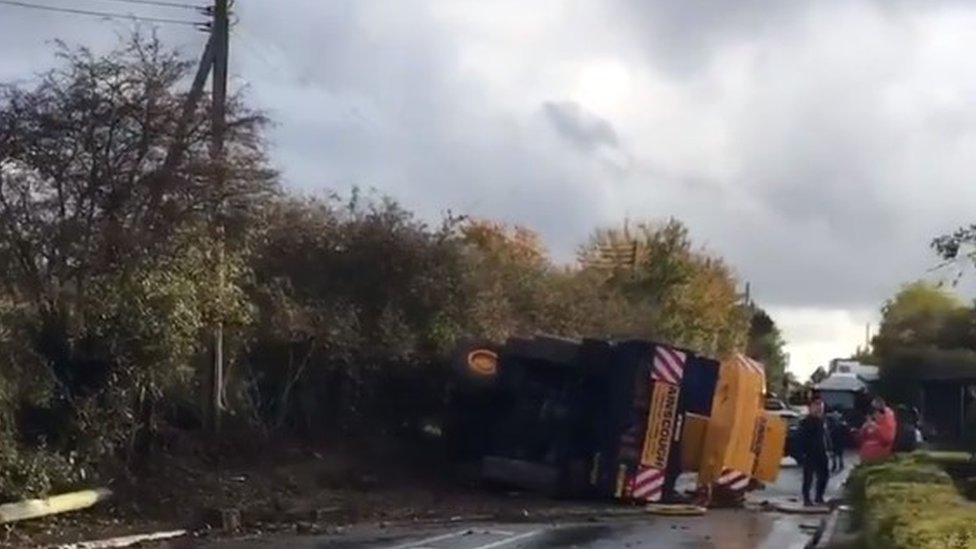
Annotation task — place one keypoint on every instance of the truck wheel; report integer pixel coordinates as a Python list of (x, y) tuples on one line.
[(476, 364)]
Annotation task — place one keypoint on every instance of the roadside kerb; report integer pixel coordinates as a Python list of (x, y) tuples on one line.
[(827, 532)]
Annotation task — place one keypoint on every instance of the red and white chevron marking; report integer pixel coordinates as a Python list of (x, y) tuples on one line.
[(733, 480), (668, 365), (648, 484), (750, 364)]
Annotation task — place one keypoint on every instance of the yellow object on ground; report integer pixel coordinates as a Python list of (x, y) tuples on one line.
[(34, 508), (736, 407), (675, 509)]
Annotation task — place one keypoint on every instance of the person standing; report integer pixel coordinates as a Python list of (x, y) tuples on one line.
[(877, 435), (839, 434), (887, 424), (814, 442)]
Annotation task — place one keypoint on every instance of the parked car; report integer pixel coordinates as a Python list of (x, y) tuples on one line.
[(776, 404)]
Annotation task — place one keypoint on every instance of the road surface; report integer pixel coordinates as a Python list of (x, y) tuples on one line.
[(718, 529)]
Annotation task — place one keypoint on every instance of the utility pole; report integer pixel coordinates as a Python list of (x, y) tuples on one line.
[(213, 62), (175, 152), (220, 38)]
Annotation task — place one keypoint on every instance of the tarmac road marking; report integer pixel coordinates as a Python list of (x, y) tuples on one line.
[(508, 540), (425, 543), (499, 532), (433, 539)]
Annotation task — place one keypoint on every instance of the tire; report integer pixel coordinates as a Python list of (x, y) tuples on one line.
[(476, 364)]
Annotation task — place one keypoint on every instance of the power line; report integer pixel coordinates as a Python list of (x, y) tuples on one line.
[(161, 4), (101, 14)]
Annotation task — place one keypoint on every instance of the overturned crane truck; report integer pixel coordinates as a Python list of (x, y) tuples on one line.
[(613, 419)]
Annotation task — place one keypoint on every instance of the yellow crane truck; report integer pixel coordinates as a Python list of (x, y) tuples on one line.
[(623, 419)]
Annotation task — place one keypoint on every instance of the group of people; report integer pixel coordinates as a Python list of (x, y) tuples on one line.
[(824, 437)]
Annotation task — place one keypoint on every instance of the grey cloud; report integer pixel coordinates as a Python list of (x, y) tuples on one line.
[(824, 207), (591, 135), (682, 36), (818, 161), (390, 110), (582, 128)]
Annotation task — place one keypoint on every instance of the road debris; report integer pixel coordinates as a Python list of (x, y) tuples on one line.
[(675, 510)]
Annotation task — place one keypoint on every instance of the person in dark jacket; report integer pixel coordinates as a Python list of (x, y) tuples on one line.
[(839, 435), (813, 439)]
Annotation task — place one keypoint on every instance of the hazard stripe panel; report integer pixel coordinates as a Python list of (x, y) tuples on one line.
[(733, 480), (668, 365), (648, 484)]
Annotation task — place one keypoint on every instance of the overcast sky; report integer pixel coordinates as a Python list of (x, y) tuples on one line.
[(818, 146)]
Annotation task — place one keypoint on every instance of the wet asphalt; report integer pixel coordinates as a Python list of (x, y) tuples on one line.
[(749, 528), (727, 529)]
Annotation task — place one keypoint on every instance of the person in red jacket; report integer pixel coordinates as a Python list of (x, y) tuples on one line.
[(877, 436)]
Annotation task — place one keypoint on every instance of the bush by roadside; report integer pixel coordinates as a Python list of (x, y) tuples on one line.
[(910, 502)]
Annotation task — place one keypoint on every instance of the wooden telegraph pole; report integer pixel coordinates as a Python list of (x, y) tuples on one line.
[(220, 37), (213, 62)]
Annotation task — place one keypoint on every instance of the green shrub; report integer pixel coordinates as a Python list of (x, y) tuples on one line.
[(913, 468), (32, 473), (909, 502)]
